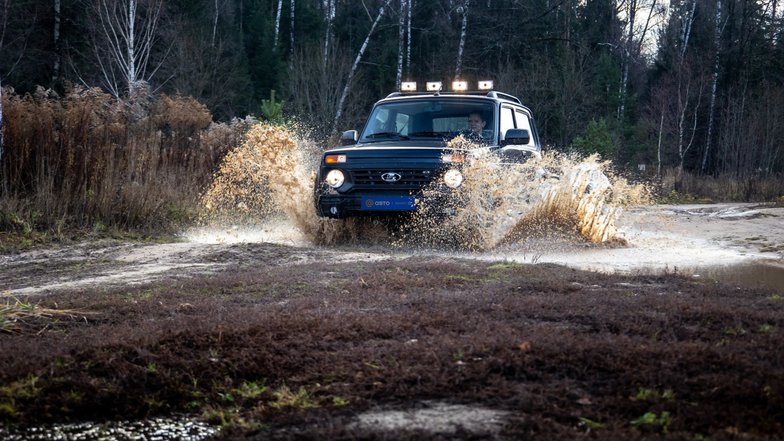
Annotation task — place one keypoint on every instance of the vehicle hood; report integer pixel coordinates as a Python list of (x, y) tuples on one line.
[(395, 148)]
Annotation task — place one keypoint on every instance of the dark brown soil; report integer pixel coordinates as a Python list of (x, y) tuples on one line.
[(297, 351)]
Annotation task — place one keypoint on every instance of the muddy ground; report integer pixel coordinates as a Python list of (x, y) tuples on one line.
[(277, 339)]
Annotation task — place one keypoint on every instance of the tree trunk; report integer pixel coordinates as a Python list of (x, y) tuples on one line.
[(408, 39), (715, 80), (277, 25), (401, 34), (658, 149), (626, 60), (128, 51), (291, 49), (57, 51), (131, 45), (356, 64), (214, 25), (461, 45), (687, 29), (330, 17)]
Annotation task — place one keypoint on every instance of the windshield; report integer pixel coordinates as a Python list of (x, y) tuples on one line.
[(437, 119)]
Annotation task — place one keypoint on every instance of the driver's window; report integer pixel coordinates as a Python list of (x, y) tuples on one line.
[(524, 123), (507, 120)]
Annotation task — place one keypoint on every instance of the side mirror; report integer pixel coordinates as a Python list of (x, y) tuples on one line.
[(516, 137), (349, 137)]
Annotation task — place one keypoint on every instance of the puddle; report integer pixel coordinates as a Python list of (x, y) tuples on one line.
[(752, 275), (441, 418), (162, 429)]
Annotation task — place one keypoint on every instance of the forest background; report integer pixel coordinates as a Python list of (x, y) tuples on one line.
[(117, 112)]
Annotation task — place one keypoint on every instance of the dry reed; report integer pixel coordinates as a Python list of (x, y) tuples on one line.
[(87, 159)]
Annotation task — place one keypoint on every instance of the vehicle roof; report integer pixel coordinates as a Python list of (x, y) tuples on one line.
[(496, 97)]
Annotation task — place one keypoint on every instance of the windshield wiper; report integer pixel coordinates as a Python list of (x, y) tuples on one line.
[(386, 135)]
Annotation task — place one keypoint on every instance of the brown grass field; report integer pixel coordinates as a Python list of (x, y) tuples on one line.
[(276, 347)]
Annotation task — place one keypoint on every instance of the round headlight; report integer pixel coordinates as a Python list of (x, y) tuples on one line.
[(335, 178), (453, 178)]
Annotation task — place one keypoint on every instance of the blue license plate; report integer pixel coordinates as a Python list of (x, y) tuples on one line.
[(388, 203)]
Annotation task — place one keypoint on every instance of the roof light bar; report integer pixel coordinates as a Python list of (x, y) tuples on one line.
[(408, 86), (459, 86), (434, 86), (486, 85)]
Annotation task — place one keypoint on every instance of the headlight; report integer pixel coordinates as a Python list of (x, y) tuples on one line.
[(335, 178), (453, 178)]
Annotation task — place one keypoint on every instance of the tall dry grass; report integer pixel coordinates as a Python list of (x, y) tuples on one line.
[(723, 188), (87, 159)]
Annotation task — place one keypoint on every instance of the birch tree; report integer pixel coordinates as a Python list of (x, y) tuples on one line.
[(277, 25), (357, 60), (56, 35), (686, 32), (400, 40), (124, 43), (459, 67), (291, 47), (714, 82), (214, 25), (408, 38), (329, 12)]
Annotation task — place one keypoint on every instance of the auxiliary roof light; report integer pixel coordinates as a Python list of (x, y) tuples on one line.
[(459, 86), (485, 85), (434, 86), (408, 86)]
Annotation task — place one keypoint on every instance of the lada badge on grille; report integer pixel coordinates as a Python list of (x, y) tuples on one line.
[(391, 177)]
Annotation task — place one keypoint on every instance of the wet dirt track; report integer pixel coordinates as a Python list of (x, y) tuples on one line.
[(347, 342)]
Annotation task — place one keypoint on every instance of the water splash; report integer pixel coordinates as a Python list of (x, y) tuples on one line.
[(271, 175)]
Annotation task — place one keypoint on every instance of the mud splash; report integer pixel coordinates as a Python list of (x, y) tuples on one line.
[(272, 174)]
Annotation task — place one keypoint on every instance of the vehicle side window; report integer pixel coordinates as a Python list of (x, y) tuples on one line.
[(507, 121), (522, 122)]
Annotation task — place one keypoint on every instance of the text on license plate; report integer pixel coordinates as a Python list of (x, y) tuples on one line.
[(396, 203)]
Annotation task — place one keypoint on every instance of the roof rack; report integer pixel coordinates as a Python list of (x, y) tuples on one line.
[(504, 96), (491, 94)]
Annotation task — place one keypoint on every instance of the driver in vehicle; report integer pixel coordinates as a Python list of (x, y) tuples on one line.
[(476, 124)]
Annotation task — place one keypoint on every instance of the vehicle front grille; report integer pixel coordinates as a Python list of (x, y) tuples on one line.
[(409, 179)]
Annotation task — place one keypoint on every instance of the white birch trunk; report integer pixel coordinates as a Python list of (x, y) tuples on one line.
[(329, 7), (714, 82), (408, 39), (687, 29), (461, 45), (277, 25), (626, 60), (128, 50), (214, 25), (57, 55), (658, 149), (353, 70), (131, 45), (291, 49), (401, 34)]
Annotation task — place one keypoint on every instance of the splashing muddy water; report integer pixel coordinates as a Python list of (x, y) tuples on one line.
[(272, 174)]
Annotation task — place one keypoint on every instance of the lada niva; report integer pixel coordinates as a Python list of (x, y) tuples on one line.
[(404, 148)]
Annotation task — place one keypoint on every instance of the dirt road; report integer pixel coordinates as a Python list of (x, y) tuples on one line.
[(689, 239), (272, 338)]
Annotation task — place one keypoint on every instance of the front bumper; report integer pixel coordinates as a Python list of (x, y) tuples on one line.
[(338, 206)]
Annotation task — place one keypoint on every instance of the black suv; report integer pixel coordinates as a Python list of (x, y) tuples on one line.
[(403, 148)]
